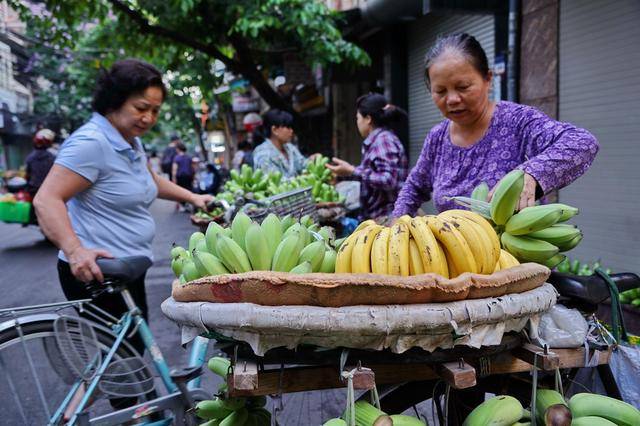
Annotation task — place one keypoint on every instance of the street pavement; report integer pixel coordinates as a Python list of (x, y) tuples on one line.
[(28, 276)]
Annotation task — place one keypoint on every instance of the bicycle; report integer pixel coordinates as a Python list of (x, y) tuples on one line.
[(90, 358)]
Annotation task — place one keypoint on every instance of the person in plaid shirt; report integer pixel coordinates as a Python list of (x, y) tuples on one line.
[(384, 163)]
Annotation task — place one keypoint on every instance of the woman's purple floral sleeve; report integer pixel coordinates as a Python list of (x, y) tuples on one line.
[(556, 153)]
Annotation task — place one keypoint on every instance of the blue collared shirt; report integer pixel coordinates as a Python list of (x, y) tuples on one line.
[(268, 158), (113, 213)]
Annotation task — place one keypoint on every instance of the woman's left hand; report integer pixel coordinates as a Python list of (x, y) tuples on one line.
[(201, 200), (341, 167)]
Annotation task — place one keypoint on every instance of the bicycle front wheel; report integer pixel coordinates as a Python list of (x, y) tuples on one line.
[(34, 379)]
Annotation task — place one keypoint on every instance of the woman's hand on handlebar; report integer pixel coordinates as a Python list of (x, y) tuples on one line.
[(83, 263)]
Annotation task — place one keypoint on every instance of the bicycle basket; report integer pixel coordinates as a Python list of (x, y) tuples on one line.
[(78, 345), (126, 377)]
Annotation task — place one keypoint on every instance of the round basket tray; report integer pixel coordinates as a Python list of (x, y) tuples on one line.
[(474, 323), (203, 223), (317, 289)]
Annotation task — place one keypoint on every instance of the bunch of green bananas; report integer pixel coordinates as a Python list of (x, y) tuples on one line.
[(285, 245), (215, 212), (576, 267), (534, 234), (247, 181), (221, 411), (367, 414), (449, 244)]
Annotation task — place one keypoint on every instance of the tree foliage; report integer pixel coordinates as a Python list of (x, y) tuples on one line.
[(189, 36)]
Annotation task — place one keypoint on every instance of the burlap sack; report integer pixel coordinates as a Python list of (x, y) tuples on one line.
[(334, 290)]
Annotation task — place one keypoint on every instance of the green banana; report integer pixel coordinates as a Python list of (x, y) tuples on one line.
[(335, 422), (237, 418), (554, 261), (483, 208), (257, 248), (567, 211), (207, 264), (305, 237), (213, 229), (329, 262), (591, 421), (557, 234), (303, 268), (219, 366), (232, 255), (177, 265), (506, 196), (327, 233), (480, 192), (502, 410), (306, 221), (545, 398), (201, 245), (182, 279), (528, 249), (239, 228), (314, 254), (404, 420), (177, 251), (194, 239), (272, 229), (571, 244), (211, 409), (287, 222), (190, 271), (337, 243), (286, 256), (532, 219), (619, 412)]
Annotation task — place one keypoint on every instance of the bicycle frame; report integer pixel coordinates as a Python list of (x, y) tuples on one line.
[(133, 318)]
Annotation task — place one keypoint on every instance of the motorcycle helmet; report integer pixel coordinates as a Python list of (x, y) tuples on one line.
[(43, 138)]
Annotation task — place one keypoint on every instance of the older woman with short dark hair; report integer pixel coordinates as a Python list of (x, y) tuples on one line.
[(95, 200), (481, 141)]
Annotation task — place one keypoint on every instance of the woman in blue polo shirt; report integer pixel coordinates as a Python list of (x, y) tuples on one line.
[(95, 200)]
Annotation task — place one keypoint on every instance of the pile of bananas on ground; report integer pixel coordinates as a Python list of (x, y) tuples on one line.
[(222, 411), (285, 245), (448, 244), (534, 234), (583, 409)]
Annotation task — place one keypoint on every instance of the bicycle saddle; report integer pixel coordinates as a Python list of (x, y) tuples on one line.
[(124, 269), (591, 289)]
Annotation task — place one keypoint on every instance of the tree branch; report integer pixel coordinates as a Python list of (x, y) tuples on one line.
[(146, 27)]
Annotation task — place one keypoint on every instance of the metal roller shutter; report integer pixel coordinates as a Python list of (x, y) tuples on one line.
[(599, 90), (423, 114)]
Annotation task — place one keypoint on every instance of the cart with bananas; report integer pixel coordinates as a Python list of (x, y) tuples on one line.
[(427, 306)]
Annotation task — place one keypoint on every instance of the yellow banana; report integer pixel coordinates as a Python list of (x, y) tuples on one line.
[(442, 264), (479, 245), (433, 258), (363, 225), (398, 258), (415, 260), (459, 253), (497, 267), (483, 223), (361, 254), (379, 252), (404, 219), (343, 259), (507, 260)]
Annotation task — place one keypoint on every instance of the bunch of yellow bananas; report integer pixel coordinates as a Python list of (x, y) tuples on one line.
[(448, 244), (285, 245)]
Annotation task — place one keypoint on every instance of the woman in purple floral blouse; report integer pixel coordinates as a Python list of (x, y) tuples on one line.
[(384, 163), (481, 140)]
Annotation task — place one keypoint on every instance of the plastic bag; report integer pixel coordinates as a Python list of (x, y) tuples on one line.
[(561, 327), (351, 191)]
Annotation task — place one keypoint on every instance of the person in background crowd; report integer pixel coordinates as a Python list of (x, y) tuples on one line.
[(40, 160), (182, 170), (384, 162), (243, 155), (95, 200), (168, 155), (155, 163), (277, 153), (481, 141)]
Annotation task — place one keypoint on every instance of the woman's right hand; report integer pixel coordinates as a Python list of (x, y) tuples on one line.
[(83, 263)]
